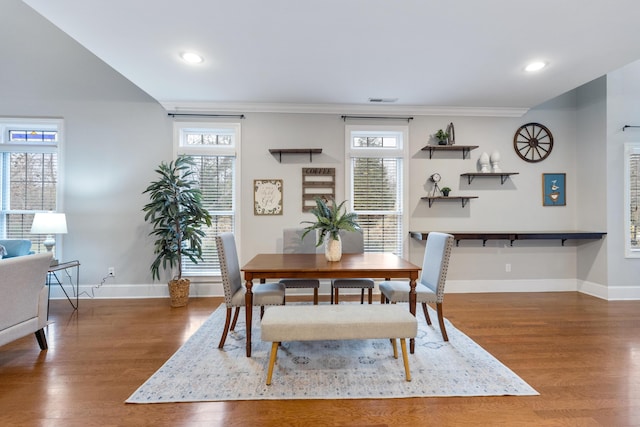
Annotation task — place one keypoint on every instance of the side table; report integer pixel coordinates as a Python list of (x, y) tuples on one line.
[(52, 278)]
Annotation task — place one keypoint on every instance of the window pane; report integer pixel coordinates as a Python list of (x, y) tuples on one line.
[(216, 175), (376, 200), (36, 136), (192, 138), (634, 200), (32, 181)]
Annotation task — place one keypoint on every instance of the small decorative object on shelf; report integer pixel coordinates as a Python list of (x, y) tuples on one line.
[(442, 137), (445, 191), (452, 134), (435, 178), (484, 162), (495, 162)]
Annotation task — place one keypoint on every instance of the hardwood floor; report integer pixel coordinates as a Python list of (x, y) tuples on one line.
[(580, 353)]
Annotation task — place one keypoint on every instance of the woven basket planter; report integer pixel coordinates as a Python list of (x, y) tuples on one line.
[(179, 292)]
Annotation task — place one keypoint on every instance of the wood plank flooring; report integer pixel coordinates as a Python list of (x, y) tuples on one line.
[(582, 355)]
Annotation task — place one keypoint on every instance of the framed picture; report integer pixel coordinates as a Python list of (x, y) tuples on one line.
[(554, 191), (267, 197)]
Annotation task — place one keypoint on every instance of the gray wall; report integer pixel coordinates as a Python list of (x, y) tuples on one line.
[(116, 135)]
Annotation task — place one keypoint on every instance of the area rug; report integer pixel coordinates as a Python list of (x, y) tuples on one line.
[(199, 371)]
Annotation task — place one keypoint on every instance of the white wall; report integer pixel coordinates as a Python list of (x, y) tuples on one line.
[(623, 108), (117, 135)]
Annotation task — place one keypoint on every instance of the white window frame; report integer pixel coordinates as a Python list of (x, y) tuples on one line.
[(401, 152), (179, 127), (17, 123), (630, 148)]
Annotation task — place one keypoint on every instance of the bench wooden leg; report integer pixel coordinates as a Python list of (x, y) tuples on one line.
[(395, 347), (405, 357), (272, 360), (315, 296)]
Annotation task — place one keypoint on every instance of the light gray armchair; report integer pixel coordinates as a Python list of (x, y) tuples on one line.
[(23, 297), (430, 287), (234, 290)]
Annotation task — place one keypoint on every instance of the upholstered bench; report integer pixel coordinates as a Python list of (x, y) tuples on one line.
[(338, 322)]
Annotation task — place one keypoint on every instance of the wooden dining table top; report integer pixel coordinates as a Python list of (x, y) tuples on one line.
[(380, 265)]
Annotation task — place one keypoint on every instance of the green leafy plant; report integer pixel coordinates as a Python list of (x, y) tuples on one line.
[(330, 220), (445, 191), (176, 214), (442, 136)]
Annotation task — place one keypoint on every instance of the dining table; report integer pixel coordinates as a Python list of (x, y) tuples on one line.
[(315, 266)]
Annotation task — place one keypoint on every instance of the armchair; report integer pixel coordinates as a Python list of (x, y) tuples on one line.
[(24, 297)]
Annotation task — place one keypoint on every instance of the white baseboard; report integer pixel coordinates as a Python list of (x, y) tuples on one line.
[(207, 289)]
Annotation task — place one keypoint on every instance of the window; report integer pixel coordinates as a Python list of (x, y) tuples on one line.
[(214, 148), (632, 199), (29, 175), (375, 184)]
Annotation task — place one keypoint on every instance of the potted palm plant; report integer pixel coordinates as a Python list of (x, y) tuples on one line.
[(329, 222), (177, 216)]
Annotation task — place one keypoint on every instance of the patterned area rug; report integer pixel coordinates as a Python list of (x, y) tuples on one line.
[(199, 371)]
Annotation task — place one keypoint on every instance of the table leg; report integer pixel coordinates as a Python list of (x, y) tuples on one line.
[(248, 309), (412, 308)]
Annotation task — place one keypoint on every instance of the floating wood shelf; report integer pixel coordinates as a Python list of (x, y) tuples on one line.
[(281, 151), (463, 199), (464, 148), (503, 175), (512, 236)]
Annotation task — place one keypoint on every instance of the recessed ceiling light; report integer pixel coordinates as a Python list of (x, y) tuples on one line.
[(191, 58), (535, 66)]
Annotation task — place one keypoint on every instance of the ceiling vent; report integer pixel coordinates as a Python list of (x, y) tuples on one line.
[(383, 100)]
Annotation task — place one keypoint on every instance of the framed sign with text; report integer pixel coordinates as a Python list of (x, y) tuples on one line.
[(267, 197)]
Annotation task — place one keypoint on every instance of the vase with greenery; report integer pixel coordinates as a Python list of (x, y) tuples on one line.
[(177, 216), (329, 221), (442, 137), (445, 191)]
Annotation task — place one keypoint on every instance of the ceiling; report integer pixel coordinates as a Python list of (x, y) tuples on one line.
[(432, 55)]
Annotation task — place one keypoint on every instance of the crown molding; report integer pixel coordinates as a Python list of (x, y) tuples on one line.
[(417, 110)]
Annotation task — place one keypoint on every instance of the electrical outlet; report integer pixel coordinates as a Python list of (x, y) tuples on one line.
[(111, 272), (507, 268)]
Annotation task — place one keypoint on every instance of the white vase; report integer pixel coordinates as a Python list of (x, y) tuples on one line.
[(333, 249), (495, 162), (484, 162)]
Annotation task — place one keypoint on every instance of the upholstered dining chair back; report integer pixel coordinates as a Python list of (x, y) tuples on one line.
[(294, 243), (229, 266), (436, 262), (352, 242)]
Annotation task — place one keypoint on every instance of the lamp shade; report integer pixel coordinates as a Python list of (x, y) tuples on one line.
[(49, 223)]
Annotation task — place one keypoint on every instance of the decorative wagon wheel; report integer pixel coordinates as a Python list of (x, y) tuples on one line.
[(533, 142)]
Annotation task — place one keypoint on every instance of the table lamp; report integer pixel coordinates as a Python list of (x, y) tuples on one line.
[(49, 223)]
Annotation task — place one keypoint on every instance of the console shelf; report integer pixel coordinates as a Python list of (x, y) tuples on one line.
[(563, 236)]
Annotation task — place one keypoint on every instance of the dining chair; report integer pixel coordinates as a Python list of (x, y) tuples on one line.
[(294, 243), (430, 287), (352, 243), (264, 294)]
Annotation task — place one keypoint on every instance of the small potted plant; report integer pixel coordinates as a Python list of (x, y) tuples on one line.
[(177, 215), (329, 222), (442, 137), (445, 191)]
